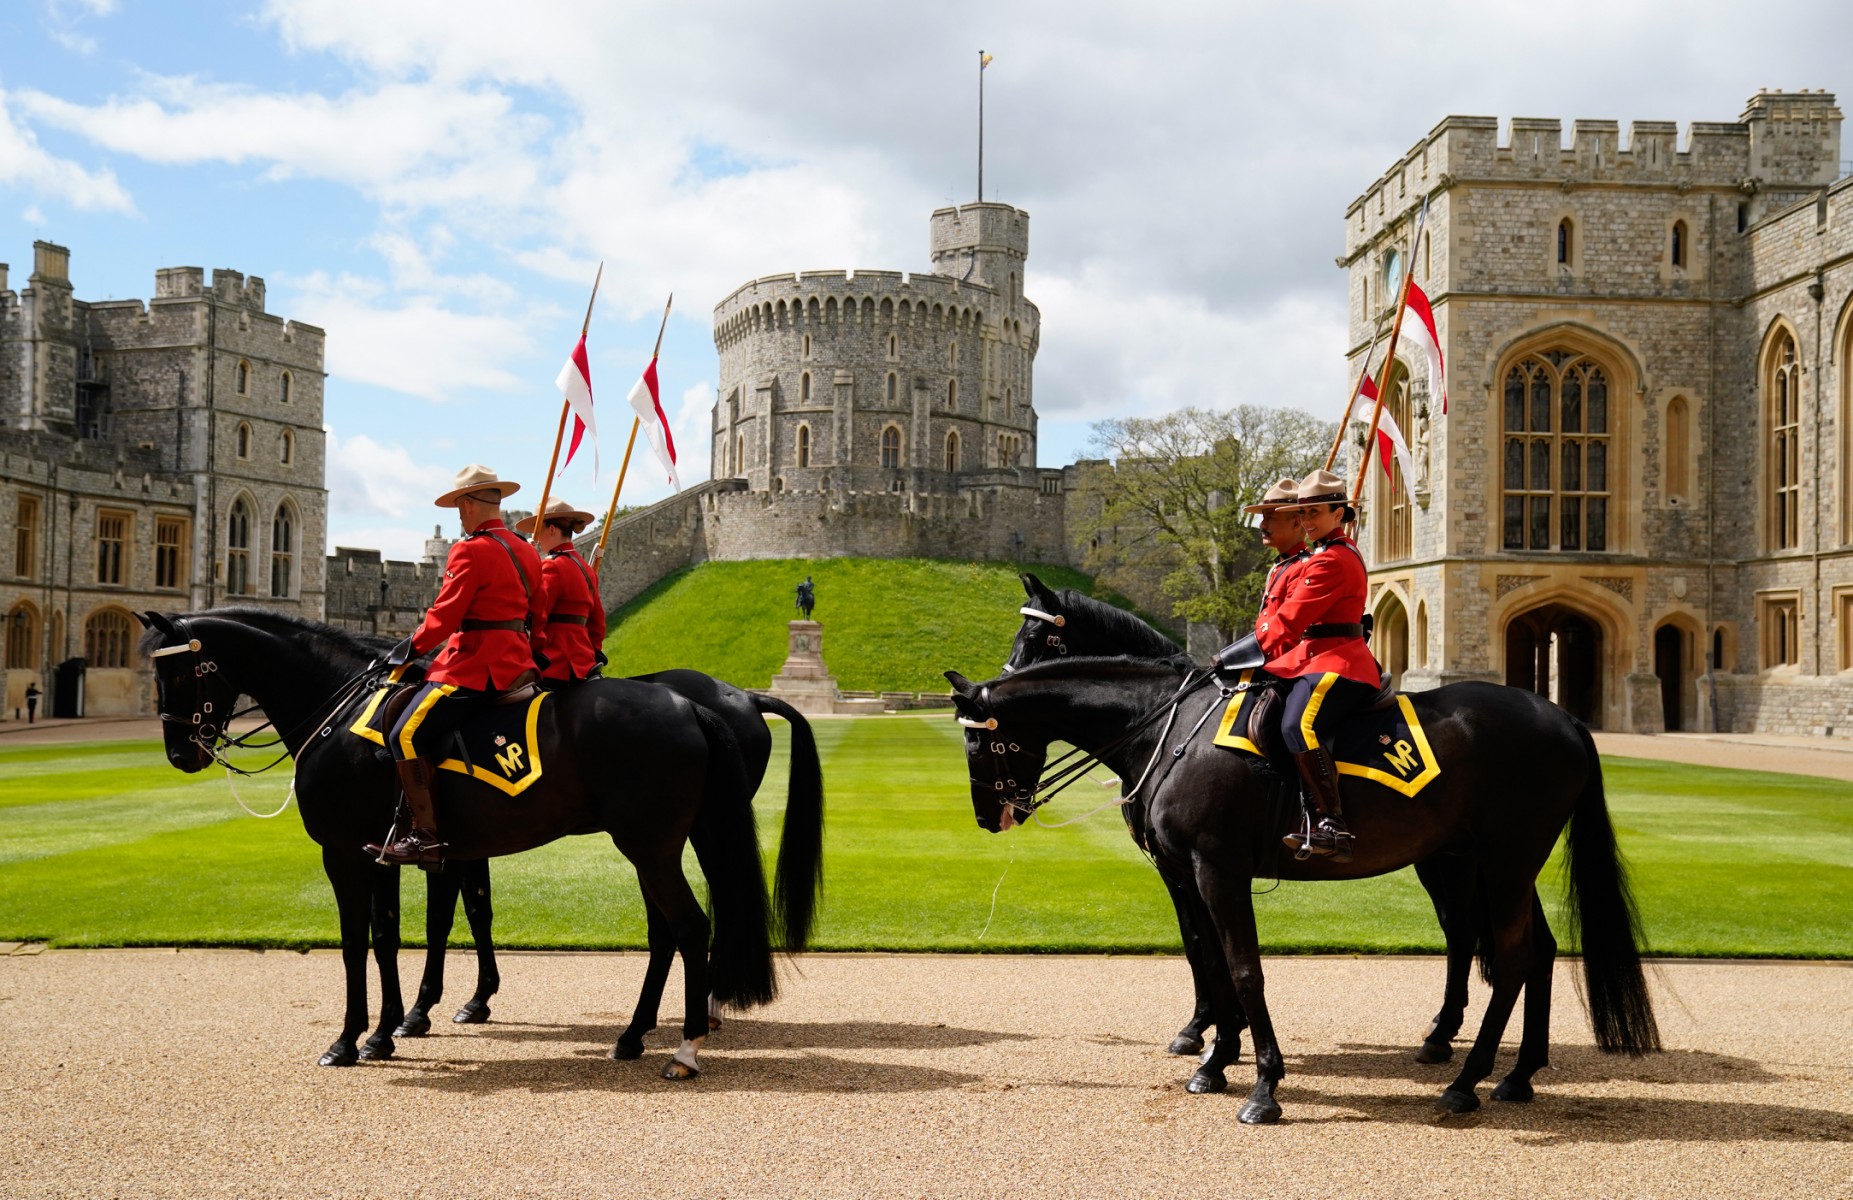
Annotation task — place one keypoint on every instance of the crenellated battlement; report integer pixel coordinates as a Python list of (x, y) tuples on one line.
[(830, 298)]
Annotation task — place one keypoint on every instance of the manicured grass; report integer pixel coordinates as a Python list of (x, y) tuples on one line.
[(890, 625), (106, 845)]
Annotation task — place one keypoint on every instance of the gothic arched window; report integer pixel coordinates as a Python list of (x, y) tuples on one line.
[(1566, 241), (892, 386), (108, 637), (242, 377), (891, 447), (282, 551), (952, 452), (238, 549), (244, 440), (804, 388), (286, 448), (283, 388), (1782, 386), (952, 393), (804, 445), (1679, 244), (1395, 521), (1555, 484), (1678, 449)]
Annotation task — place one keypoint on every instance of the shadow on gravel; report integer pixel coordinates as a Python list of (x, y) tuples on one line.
[(593, 1072), (1581, 1064), (741, 1033)]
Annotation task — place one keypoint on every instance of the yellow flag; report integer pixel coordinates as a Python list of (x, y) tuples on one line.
[(984, 60)]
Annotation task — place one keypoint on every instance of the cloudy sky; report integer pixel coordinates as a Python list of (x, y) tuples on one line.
[(434, 181)]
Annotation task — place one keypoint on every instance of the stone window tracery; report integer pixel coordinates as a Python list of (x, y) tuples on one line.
[(1783, 387), (108, 637), (282, 551), (891, 446), (952, 452), (238, 549), (1566, 244), (804, 445), (1557, 441)]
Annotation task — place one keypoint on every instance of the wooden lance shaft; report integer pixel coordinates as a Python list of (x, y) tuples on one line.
[(546, 488), (1383, 373), (604, 527), (1338, 438)]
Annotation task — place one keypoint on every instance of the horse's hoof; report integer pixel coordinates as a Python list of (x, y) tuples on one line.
[(1458, 1102), (1433, 1052), (627, 1051), (1205, 1082), (1183, 1044), (476, 1012), (714, 1022), (1259, 1112), (1514, 1091), (678, 1070), (377, 1048), (417, 1023), (338, 1055)]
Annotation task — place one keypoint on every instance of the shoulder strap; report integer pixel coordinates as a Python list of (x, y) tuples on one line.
[(527, 589), (591, 588)]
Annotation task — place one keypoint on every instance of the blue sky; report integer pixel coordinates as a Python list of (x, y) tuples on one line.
[(434, 182)]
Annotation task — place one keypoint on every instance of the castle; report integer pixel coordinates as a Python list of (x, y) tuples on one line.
[(162, 455), (1640, 501)]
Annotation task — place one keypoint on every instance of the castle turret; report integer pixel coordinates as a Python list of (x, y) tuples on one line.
[(1794, 137), (984, 244)]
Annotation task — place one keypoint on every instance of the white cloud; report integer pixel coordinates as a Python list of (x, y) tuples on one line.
[(402, 542), (24, 163), (367, 478)]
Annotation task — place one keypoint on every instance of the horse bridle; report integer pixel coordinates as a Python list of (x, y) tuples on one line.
[(1054, 640)]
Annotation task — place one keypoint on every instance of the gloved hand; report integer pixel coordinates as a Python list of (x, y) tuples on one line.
[(599, 660), (401, 654)]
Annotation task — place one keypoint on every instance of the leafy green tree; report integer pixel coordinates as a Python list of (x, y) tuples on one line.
[(1162, 514)]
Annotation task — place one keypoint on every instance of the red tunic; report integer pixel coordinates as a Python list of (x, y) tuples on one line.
[(1282, 576), (481, 583), (1330, 588), (571, 625)]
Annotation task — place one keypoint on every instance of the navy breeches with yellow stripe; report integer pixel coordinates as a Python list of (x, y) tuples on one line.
[(433, 715), (1316, 704)]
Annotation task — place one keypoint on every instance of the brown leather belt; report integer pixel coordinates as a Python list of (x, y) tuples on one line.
[(1332, 631), (568, 619), (472, 625)]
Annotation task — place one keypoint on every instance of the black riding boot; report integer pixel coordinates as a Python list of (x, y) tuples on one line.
[(420, 844), (1325, 815)]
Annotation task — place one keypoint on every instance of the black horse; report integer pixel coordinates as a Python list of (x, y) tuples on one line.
[(1057, 624), (469, 881), (632, 760), (1518, 771)]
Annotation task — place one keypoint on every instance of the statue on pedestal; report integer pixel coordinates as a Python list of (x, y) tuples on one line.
[(807, 597)]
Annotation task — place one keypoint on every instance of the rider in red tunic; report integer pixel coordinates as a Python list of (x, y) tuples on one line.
[(483, 611), (1279, 524), (569, 629), (1315, 637)]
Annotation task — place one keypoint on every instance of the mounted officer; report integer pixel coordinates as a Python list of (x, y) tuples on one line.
[(569, 628), (484, 609), (1280, 532), (1313, 634)]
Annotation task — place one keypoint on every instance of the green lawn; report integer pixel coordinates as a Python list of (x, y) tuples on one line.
[(890, 625), (106, 845)]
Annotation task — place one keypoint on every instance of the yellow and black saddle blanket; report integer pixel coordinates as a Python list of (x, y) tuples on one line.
[(498, 744), (1385, 745)]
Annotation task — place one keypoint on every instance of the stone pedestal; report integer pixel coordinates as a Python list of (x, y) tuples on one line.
[(804, 682)]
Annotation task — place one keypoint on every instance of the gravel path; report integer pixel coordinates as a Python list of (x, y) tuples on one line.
[(155, 1073)]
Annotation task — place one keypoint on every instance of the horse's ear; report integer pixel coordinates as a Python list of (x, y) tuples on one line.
[(158, 621), (143, 618), (1037, 590), (961, 686)]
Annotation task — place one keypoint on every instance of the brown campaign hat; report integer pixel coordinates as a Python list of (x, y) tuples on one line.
[(475, 478), (557, 510), (1322, 487), (1284, 494)]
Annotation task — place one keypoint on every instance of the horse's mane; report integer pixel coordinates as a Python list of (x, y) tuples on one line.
[(336, 647), (1138, 639), (1092, 666)]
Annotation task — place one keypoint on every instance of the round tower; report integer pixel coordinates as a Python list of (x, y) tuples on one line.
[(879, 381)]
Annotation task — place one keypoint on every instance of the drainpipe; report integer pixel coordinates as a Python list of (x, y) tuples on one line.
[(1817, 291), (211, 523), (1711, 458)]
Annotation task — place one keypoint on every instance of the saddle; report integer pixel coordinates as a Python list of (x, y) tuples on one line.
[(503, 735), (1383, 741)]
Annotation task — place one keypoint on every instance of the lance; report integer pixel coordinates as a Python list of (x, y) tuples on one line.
[(1389, 357), (540, 513), (1350, 405), (604, 527)]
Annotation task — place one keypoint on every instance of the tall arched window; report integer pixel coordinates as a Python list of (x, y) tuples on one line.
[(804, 388), (1782, 385), (244, 440), (22, 637), (952, 393), (1678, 449), (893, 343), (283, 388), (952, 353), (238, 549), (891, 447), (804, 445), (1679, 244), (286, 448), (739, 453), (108, 638), (1419, 646), (807, 345), (282, 551), (243, 378), (952, 452), (892, 387), (1566, 243), (1556, 476), (1395, 524)]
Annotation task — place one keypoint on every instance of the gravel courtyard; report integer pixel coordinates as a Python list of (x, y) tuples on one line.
[(163, 1073)]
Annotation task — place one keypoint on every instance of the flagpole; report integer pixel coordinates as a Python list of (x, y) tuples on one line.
[(1389, 357), (981, 127), (1338, 438), (546, 488), (604, 527)]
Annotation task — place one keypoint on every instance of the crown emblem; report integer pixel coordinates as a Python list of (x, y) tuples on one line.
[(1382, 737), (502, 739)]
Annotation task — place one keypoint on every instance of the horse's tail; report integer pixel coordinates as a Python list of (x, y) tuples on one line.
[(1605, 923), (800, 871), (726, 841)]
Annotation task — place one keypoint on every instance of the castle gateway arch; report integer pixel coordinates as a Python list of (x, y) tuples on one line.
[(1556, 651)]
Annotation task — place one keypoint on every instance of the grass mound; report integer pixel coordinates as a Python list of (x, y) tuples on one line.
[(890, 625)]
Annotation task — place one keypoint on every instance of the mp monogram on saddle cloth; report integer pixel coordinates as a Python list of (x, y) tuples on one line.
[(1387, 746)]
